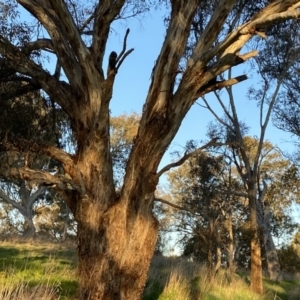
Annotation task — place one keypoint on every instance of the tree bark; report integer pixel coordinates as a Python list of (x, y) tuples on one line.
[(230, 250), (29, 228), (114, 252), (271, 253), (256, 265), (218, 252)]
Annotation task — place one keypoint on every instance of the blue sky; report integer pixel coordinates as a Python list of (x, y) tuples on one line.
[(133, 80)]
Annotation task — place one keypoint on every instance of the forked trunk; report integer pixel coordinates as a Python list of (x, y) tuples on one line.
[(114, 253), (29, 228)]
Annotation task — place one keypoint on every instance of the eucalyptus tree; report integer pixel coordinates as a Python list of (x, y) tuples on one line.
[(275, 62), (205, 221), (117, 231)]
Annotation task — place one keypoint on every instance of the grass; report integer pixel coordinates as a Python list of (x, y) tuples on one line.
[(36, 271), (172, 279), (46, 271)]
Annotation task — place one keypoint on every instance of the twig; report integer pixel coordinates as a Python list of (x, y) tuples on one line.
[(123, 57), (123, 53), (220, 84), (124, 44), (174, 205)]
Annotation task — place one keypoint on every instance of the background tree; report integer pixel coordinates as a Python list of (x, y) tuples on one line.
[(78, 32), (123, 130), (195, 187), (41, 123), (249, 168)]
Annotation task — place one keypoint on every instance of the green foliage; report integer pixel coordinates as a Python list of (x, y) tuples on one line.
[(123, 129), (289, 259)]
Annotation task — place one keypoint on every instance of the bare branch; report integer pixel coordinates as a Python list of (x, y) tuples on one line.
[(225, 110), (39, 177), (124, 44), (123, 58), (123, 54), (33, 197), (172, 204), (22, 64), (12, 90), (212, 142), (213, 112), (69, 30), (86, 22), (40, 44), (210, 34), (220, 84), (10, 201)]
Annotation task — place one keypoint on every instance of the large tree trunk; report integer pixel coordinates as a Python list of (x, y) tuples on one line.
[(256, 265), (114, 252)]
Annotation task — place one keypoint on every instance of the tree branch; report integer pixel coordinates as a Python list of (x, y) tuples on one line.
[(124, 44), (59, 155), (22, 64), (69, 30), (44, 44), (60, 27), (174, 205), (213, 142), (12, 90), (10, 201), (106, 11), (220, 84), (123, 58), (202, 52), (33, 197), (39, 177)]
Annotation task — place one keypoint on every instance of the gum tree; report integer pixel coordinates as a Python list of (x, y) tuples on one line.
[(117, 232)]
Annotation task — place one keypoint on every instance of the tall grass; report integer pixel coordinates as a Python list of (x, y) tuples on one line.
[(22, 291), (177, 279), (36, 271), (46, 271)]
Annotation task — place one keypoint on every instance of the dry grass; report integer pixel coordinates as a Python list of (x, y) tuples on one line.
[(24, 292), (178, 279), (45, 271)]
